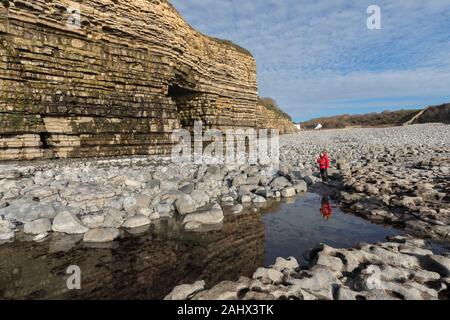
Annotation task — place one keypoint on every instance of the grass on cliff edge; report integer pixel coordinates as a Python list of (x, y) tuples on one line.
[(272, 105)]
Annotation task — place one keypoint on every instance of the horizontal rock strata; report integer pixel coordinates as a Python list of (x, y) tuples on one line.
[(267, 119), (119, 84)]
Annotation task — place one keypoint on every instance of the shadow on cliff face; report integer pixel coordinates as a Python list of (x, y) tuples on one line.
[(189, 103)]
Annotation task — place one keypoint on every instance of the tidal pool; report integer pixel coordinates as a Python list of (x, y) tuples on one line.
[(298, 226), (149, 264)]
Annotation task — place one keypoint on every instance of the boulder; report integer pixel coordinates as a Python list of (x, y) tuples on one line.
[(39, 226), (284, 169), (169, 184), (226, 290), (209, 216), (27, 210), (183, 292), (288, 192), (258, 296), (282, 264), (40, 237), (93, 221), (101, 235), (319, 280), (153, 185), (187, 188), (343, 165), (136, 222), (439, 264), (185, 204), (113, 218), (6, 230), (245, 199), (239, 180), (311, 179), (300, 187), (259, 199), (270, 276), (40, 192), (68, 222), (133, 203), (371, 189), (133, 183), (164, 209), (279, 183)]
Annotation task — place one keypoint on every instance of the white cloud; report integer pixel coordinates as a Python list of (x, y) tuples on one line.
[(314, 53)]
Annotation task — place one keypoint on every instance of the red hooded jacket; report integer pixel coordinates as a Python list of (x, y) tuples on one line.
[(324, 162), (326, 210)]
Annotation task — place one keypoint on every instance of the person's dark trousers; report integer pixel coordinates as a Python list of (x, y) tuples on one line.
[(324, 175)]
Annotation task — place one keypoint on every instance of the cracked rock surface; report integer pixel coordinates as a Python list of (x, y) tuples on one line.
[(401, 268)]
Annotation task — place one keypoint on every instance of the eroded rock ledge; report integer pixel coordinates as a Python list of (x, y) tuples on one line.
[(402, 268), (118, 85)]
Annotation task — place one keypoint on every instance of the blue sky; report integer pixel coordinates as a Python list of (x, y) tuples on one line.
[(318, 58)]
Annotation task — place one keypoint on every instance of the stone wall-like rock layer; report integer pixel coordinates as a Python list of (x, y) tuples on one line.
[(118, 85), (267, 119)]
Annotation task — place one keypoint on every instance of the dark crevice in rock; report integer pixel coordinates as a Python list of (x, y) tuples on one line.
[(342, 257), (395, 294), (241, 293), (44, 136), (175, 91), (335, 291)]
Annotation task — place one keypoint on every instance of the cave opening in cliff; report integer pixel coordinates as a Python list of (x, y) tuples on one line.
[(44, 136), (188, 102), (176, 91)]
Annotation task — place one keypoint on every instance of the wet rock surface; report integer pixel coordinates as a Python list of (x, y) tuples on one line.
[(393, 175), (146, 265), (400, 269), (78, 196), (396, 176)]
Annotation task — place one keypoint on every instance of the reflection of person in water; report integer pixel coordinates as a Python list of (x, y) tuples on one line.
[(326, 210)]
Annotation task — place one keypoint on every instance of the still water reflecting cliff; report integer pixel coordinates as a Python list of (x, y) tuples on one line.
[(149, 263), (142, 266)]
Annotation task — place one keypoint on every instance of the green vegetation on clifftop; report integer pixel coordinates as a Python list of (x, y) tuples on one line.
[(385, 118), (272, 105)]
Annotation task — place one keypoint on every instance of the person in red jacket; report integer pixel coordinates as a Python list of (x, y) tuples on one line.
[(326, 210), (324, 164)]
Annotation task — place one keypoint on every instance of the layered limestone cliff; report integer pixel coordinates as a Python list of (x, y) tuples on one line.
[(117, 84), (267, 119)]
